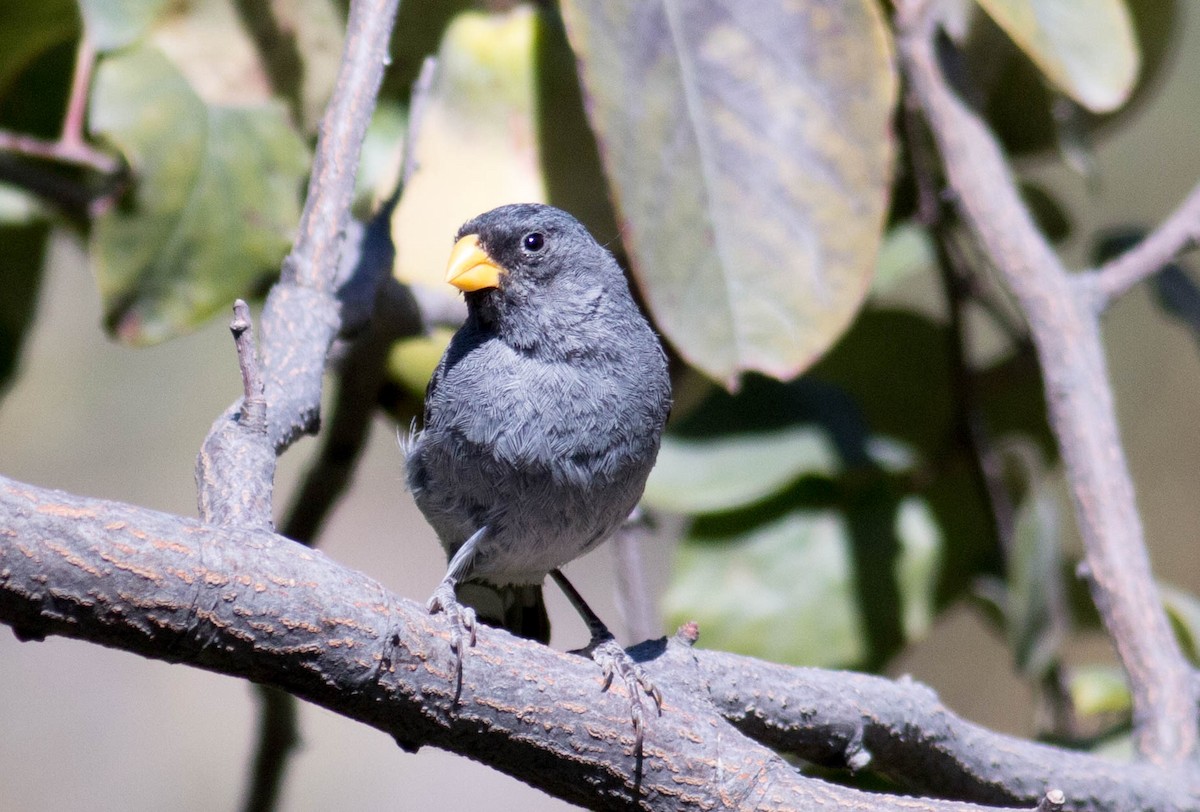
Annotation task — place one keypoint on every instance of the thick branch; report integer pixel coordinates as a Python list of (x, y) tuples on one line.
[(902, 730), (1176, 234), (1066, 332), (251, 604)]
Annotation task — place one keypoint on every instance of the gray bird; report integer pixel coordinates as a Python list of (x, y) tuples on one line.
[(542, 422)]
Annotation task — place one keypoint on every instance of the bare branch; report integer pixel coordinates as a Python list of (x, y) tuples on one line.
[(1178, 233), (418, 108), (254, 408), (252, 604), (1066, 333)]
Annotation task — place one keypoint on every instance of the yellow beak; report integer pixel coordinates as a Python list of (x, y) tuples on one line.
[(471, 268)]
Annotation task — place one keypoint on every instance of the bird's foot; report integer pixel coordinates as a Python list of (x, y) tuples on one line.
[(615, 662), (462, 627)]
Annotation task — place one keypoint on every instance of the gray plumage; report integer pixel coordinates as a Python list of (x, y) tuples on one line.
[(543, 419)]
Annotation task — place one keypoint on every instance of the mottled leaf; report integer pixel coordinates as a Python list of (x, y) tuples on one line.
[(749, 151), (1086, 48), (214, 203)]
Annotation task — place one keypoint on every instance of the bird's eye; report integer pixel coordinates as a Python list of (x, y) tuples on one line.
[(533, 241)]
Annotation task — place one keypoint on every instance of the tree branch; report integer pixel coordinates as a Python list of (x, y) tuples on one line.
[(1066, 333), (255, 605), (1178, 233)]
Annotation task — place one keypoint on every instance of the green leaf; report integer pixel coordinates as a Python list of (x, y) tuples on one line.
[(749, 151), (213, 208), (789, 589), (1098, 689), (730, 471), (112, 24), (1086, 48), (1184, 610), (907, 251), (1036, 609)]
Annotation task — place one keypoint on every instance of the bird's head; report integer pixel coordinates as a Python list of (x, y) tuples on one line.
[(525, 266)]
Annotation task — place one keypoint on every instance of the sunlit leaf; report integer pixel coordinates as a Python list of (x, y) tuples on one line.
[(749, 151), (477, 148), (214, 204), (1098, 689), (728, 471), (789, 590), (1086, 48)]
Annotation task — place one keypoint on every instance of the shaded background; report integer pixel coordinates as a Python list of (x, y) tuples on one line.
[(82, 727)]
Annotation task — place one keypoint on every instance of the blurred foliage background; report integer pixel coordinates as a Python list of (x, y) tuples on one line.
[(764, 207)]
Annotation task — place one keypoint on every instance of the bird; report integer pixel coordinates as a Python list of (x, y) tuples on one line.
[(542, 422)]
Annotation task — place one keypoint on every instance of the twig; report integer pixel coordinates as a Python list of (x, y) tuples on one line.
[(81, 85), (1066, 333), (71, 146), (252, 604), (1178, 233), (78, 154), (254, 407)]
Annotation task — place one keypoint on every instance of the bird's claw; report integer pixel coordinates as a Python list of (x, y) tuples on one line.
[(462, 627), (614, 661)]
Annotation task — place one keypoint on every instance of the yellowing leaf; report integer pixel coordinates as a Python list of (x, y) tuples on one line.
[(1086, 48)]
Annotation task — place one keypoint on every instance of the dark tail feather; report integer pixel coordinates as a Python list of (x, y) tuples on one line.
[(519, 608)]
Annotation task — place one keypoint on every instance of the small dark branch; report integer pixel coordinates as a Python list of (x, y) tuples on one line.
[(634, 598), (418, 108), (254, 407), (956, 282), (1178, 233), (1066, 332), (251, 604), (278, 736), (313, 261)]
